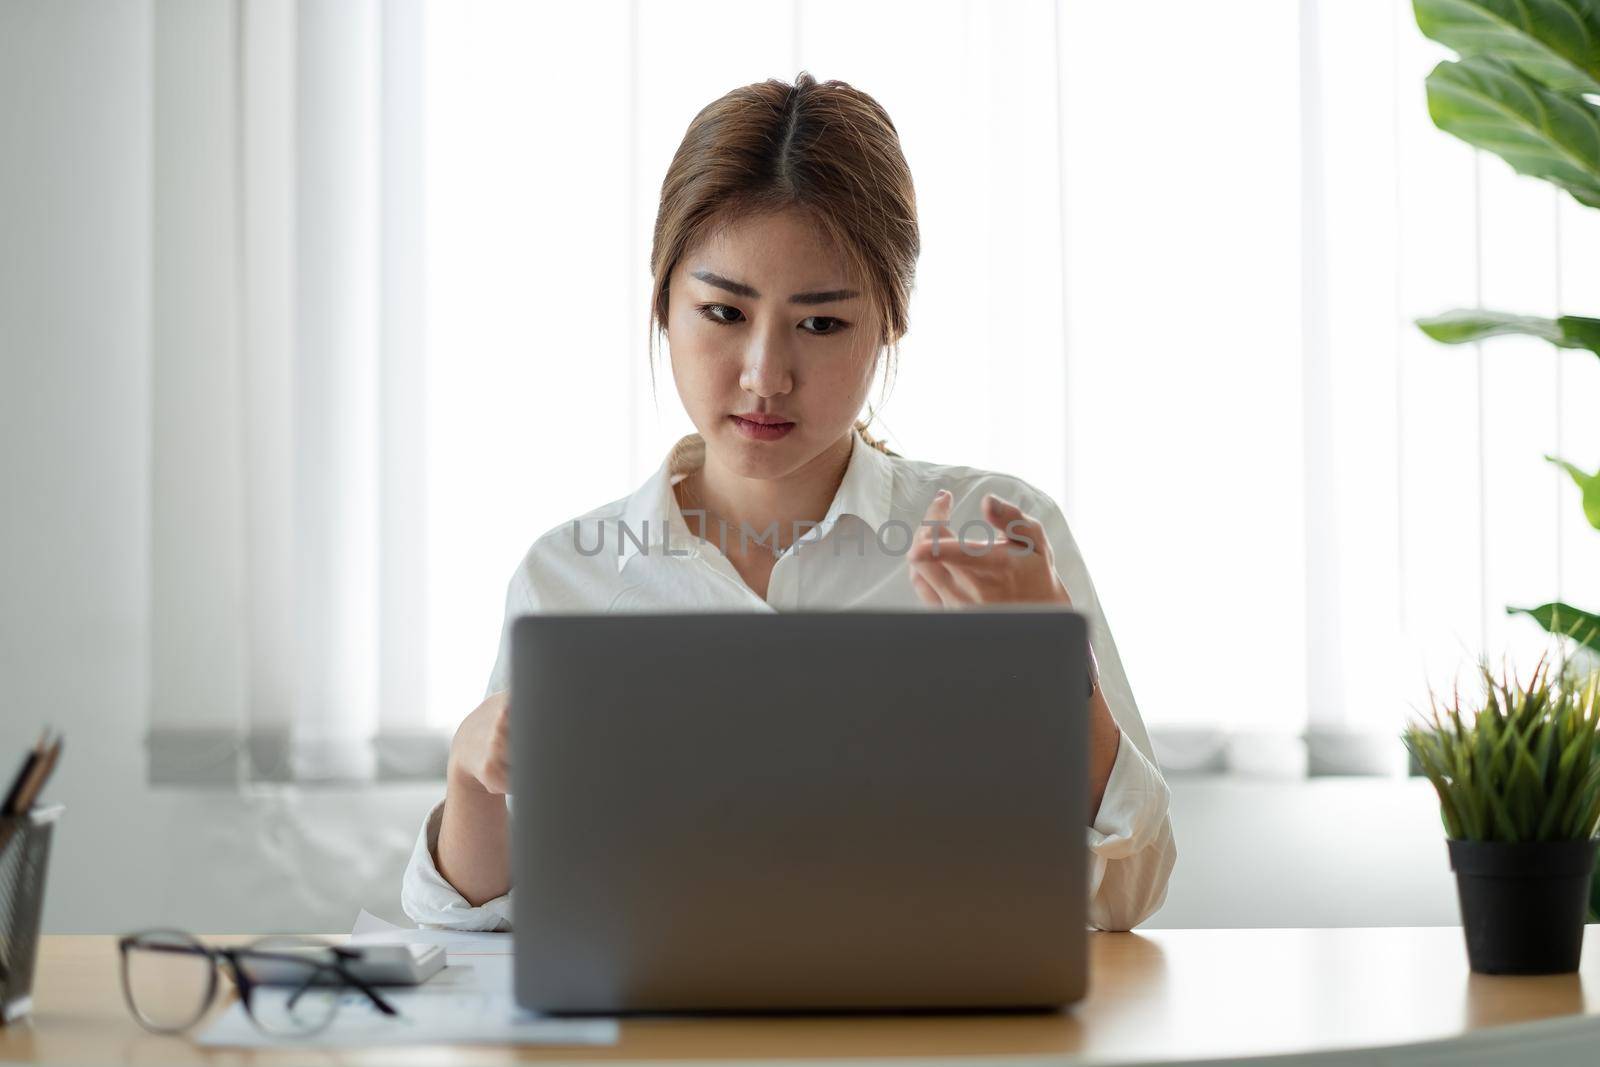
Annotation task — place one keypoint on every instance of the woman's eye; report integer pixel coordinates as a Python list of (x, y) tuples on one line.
[(825, 325), (710, 311), (817, 325)]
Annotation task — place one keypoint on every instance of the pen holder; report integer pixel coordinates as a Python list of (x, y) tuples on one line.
[(24, 854)]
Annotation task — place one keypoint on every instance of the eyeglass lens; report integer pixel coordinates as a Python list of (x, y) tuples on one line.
[(294, 990), (169, 980)]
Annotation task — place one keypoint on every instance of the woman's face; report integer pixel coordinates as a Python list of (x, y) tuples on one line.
[(762, 319)]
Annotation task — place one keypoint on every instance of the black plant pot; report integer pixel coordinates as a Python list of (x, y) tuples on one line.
[(1523, 905)]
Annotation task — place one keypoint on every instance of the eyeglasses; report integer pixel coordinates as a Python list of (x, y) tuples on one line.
[(289, 986)]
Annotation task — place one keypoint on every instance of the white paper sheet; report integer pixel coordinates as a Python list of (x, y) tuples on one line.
[(368, 923), (469, 1002), (371, 930)]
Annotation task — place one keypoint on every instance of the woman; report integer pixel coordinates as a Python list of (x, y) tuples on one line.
[(783, 257)]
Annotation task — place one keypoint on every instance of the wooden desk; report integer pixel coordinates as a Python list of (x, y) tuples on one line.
[(1165, 994)]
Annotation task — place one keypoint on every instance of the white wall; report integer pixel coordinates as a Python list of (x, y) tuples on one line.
[(74, 542), (1323, 852), (75, 161)]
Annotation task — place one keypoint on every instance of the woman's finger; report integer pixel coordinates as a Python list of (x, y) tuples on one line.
[(1011, 520), (935, 521), (966, 575), (971, 550), (938, 576)]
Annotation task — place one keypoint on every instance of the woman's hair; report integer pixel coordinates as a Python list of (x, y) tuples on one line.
[(826, 148)]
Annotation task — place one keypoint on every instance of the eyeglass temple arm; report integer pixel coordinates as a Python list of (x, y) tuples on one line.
[(337, 968), (356, 983)]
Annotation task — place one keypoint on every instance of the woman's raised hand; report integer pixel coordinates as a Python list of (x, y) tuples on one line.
[(1017, 568), (480, 752)]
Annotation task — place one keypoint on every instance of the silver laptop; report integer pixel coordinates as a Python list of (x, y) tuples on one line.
[(799, 811)]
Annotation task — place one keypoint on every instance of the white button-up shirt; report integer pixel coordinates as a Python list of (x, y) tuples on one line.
[(638, 554)]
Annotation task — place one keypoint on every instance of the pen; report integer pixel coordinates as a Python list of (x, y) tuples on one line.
[(29, 761), (25, 787), (41, 774)]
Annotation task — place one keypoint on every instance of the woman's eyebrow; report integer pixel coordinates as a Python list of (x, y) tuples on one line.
[(741, 289)]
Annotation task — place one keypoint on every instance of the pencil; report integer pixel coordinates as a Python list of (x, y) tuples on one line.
[(29, 761)]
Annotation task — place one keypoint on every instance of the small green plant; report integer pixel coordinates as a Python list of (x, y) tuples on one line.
[(1525, 766)]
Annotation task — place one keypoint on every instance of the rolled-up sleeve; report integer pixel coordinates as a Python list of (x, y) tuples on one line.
[(432, 901), (1131, 848)]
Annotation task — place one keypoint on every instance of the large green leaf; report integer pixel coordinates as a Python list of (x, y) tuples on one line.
[(1554, 42), (1588, 484), (1466, 324), (1583, 333), (1487, 103), (1558, 618)]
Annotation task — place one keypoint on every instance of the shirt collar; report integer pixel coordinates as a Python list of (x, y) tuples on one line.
[(865, 492)]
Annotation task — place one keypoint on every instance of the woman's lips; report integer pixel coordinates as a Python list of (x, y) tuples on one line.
[(760, 431)]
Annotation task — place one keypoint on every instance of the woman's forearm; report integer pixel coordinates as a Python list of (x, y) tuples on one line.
[(473, 851), (1105, 736)]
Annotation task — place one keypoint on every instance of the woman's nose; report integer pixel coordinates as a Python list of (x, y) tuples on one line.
[(767, 367)]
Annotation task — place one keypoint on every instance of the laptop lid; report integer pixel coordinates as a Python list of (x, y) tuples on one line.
[(809, 810)]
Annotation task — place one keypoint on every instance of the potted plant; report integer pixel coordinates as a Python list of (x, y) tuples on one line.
[(1519, 793)]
